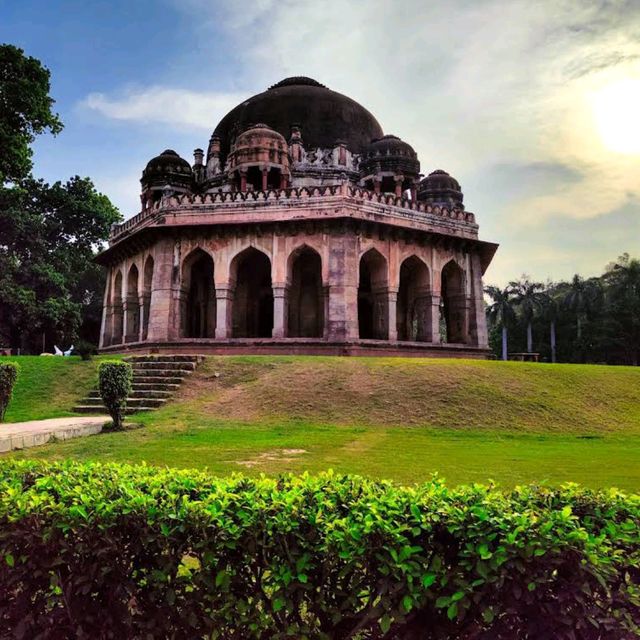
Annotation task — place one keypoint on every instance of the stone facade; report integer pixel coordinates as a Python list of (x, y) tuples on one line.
[(276, 247)]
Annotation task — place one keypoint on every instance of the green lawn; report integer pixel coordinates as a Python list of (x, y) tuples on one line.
[(48, 387), (391, 418)]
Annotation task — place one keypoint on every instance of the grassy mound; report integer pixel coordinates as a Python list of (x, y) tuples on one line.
[(48, 387), (401, 419)]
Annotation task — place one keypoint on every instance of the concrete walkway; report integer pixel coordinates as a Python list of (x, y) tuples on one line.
[(19, 435)]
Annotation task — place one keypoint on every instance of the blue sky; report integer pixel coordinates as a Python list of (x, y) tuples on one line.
[(530, 105)]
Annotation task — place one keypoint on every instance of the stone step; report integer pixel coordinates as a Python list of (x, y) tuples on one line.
[(155, 386), (137, 393), (82, 408), (163, 366), (161, 380), (162, 358), (131, 402)]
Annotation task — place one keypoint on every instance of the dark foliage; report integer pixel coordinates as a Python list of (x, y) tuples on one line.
[(8, 376), (114, 382)]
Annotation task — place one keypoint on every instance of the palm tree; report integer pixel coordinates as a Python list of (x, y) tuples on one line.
[(550, 307), (501, 312), (580, 297), (529, 297), (622, 280)]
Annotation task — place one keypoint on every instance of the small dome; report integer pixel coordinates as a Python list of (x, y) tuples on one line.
[(442, 189), (259, 134), (167, 168), (390, 153), (259, 145)]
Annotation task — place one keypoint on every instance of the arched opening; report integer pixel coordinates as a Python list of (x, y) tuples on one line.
[(146, 296), (199, 296), (117, 323), (133, 306), (253, 295), (454, 304), (305, 297), (413, 307), (373, 307)]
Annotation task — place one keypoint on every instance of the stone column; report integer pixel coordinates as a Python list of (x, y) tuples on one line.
[(265, 173), (478, 335), (392, 301), (127, 320), (279, 310), (162, 326), (342, 313), (141, 315), (433, 304), (398, 181), (243, 180), (224, 308)]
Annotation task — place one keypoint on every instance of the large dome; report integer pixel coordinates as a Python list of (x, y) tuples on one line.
[(324, 116)]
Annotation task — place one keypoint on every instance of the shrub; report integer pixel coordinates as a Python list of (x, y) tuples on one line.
[(8, 376), (85, 349), (114, 378), (98, 551)]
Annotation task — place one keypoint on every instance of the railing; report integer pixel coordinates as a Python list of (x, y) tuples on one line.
[(296, 193)]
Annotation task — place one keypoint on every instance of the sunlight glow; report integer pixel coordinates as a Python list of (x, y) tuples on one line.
[(616, 109)]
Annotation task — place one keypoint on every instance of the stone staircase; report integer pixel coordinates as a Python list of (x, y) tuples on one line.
[(155, 380)]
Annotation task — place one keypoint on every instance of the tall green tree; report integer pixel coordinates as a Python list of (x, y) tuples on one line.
[(25, 111), (550, 312), (582, 294), (528, 297), (622, 280), (49, 285), (501, 311)]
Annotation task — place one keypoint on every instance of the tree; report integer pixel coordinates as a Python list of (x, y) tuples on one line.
[(528, 296), (580, 297), (49, 286), (550, 309), (622, 280), (25, 111), (48, 238), (501, 312)]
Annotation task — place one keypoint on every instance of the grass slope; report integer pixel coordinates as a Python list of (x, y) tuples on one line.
[(394, 418), (48, 387)]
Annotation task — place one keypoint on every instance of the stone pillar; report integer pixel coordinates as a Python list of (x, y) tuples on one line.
[(144, 316), (377, 184), (162, 326), (423, 313), (243, 180), (141, 315), (478, 335), (279, 310), (392, 301), (342, 312), (399, 180), (105, 325), (265, 174), (224, 308), (127, 320), (433, 304)]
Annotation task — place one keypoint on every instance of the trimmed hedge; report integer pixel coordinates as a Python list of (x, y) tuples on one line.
[(114, 382), (116, 551), (8, 375)]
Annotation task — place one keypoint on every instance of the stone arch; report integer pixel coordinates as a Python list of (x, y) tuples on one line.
[(305, 295), (250, 278), (413, 310), (118, 311), (132, 308), (198, 296), (455, 305), (373, 292), (147, 284)]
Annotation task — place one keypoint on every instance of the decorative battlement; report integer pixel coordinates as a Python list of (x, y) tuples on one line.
[(400, 205)]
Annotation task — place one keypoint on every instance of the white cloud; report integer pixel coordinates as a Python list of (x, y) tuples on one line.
[(471, 84), (157, 104)]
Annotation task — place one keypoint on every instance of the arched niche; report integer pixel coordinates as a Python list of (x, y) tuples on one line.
[(413, 311), (252, 312), (454, 308), (305, 294), (373, 291), (198, 296)]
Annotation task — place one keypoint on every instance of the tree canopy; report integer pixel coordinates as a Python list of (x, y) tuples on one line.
[(49, 233)]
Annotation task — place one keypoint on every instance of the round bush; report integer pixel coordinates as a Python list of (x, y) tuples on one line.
[(114, 378), (8, 376), (101, 551)]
